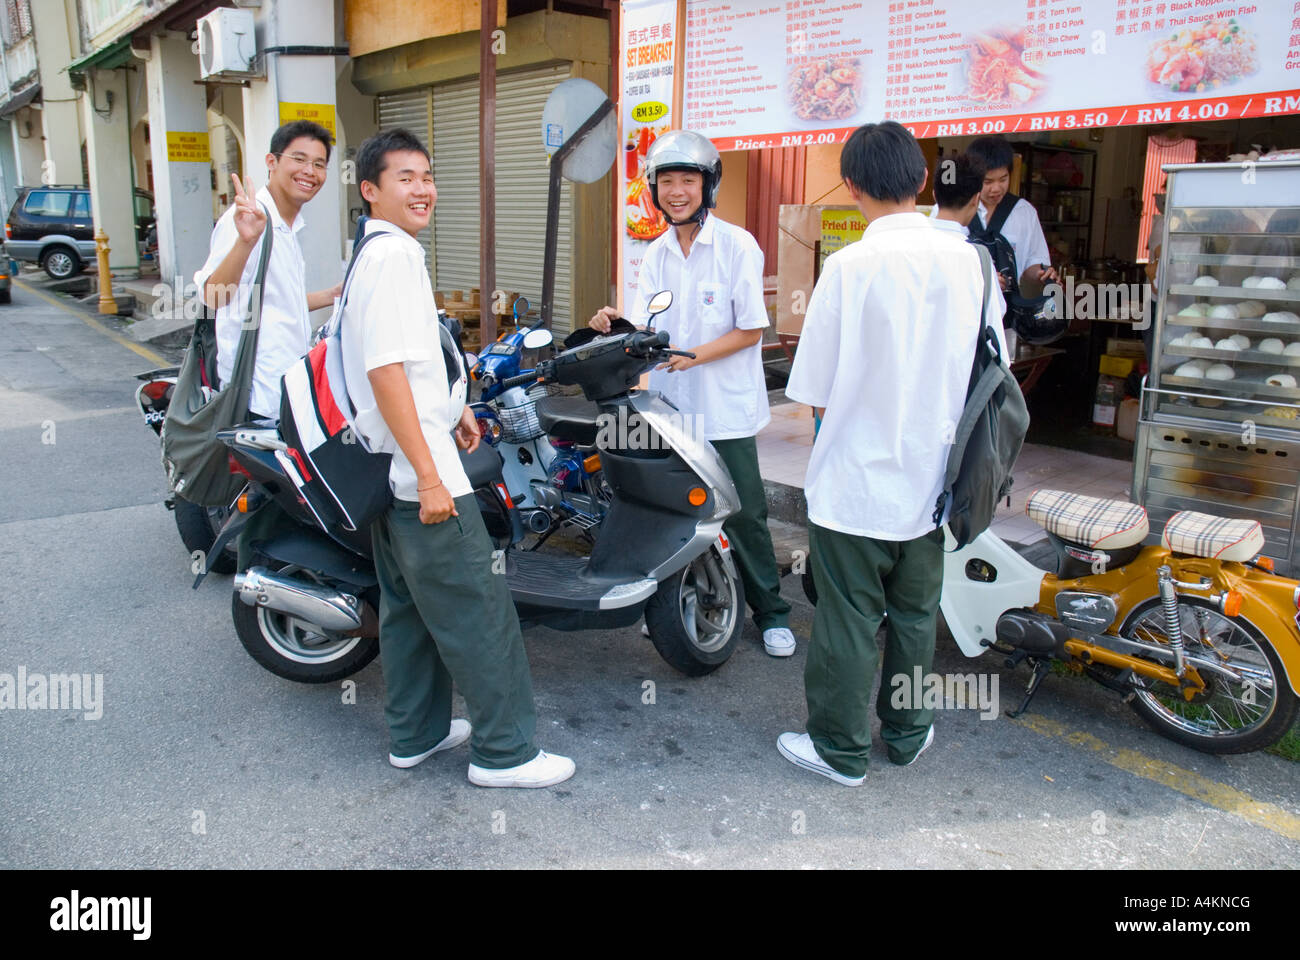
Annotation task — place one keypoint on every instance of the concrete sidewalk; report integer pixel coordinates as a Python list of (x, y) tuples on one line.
[(785, 445)]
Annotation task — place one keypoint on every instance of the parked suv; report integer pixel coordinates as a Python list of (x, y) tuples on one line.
[(51, 225)]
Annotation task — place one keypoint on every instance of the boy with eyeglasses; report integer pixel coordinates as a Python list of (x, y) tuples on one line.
[(295, 166)]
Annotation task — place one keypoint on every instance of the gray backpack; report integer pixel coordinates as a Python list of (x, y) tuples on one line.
[(988, 436)]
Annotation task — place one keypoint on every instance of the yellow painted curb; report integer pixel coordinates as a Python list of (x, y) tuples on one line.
[(1217, 795), (94, 324)]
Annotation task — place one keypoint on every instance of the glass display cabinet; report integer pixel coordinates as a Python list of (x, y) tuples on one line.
[(1218, 430)]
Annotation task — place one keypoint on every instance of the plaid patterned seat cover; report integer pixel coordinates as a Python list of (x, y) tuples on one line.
[(1092, 521), (1203, 535)]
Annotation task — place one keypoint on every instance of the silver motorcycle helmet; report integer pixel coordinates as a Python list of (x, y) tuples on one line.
[(684, 150)]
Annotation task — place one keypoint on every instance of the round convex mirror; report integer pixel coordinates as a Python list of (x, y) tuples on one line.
[(660, 302), (536, 339)]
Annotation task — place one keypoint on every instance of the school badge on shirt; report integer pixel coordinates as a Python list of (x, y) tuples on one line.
[(708, 297)]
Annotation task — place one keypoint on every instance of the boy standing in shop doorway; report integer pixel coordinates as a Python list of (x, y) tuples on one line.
[(715, 272), (1013, 217)]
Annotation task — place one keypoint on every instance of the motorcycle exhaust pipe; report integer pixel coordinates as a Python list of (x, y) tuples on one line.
[(327, 608)]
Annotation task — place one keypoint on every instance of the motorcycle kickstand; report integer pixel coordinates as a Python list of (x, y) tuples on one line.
[(1041, 669)]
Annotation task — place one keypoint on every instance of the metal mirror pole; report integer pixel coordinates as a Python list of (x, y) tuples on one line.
[(553, 206)]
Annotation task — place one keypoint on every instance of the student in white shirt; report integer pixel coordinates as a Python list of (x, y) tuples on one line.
[(957, 185), (886, 348), (445, 613), (295, 168), (1022, 230), (715, 273)]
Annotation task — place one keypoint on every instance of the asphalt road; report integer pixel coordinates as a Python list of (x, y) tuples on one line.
[(203, 759)]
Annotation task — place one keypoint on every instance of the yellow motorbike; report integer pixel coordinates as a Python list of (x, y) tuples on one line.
[(1198, 634)]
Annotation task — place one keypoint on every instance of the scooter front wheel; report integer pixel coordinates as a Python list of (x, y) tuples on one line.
[(696, 616), (1229, 716)]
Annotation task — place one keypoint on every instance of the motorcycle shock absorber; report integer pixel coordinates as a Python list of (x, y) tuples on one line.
[(1173, 623)]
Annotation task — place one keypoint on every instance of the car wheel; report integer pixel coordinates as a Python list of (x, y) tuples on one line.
[(6, 296), (60, 263)]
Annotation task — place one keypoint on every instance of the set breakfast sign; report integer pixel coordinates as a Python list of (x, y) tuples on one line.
[(780, 73), (646, 84)]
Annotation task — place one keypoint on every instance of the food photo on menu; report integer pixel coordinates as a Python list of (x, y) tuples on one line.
[(825, 88), (1002, 68), (1203, 57), (644, 221)]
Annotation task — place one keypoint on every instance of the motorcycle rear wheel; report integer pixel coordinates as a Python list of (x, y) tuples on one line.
[(198, 527), (1231, 716), (693, 638), (296, 649)]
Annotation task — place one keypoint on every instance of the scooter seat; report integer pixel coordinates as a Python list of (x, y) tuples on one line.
[(569, 418), (1094, 522), (1204, 535)]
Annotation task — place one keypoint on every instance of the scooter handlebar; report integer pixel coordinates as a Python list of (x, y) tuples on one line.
[(531, 377)]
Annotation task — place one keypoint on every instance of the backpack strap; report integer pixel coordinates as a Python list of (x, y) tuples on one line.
[(980, 393), (1000, 214)]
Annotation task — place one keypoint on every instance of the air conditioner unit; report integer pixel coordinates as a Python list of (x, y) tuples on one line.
[(227, 43)]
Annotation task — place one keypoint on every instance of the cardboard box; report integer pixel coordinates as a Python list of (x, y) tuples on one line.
[(1126, 421), (1113, 366), (1120, 347)]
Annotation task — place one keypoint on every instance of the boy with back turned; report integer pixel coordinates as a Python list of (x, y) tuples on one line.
[(887, 347)]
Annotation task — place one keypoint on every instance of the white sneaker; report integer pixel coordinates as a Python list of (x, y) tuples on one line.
[(778, 641), (544, 770), (929, 739), (798, 749), (457, 734)]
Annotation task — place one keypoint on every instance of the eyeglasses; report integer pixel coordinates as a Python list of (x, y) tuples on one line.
[(304, 161)]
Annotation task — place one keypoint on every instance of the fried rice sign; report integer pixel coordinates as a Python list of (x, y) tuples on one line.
[(762, 74)]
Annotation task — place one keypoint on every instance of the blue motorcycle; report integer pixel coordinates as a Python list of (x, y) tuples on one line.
[(552, 481)]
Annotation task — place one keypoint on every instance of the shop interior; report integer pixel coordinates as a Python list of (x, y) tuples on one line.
[(1095, 191)]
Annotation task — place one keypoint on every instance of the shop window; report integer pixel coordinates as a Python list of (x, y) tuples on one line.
[(1160, 151)]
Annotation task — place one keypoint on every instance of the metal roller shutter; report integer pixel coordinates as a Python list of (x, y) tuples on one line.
[(410, 109), (522, 173), (456, 172)]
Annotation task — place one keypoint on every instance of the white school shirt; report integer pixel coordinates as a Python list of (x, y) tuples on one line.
[(286, 330), (887, 348), (1024, 233), (717, 289), (390, 317), (950, 225)]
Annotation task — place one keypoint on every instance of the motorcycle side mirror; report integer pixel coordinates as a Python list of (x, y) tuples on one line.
[(536, 339), (660, 302), (520, 308)]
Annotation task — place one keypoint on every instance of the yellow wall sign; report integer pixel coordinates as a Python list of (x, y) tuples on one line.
[(840, 228), (322, 113), (187, 147)]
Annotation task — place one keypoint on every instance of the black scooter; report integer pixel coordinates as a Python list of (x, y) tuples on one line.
[(304, 609)]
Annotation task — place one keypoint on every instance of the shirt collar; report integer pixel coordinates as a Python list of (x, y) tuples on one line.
[(896, 221), (705, 236), (264, 196), (952, 225), (375, 225)]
